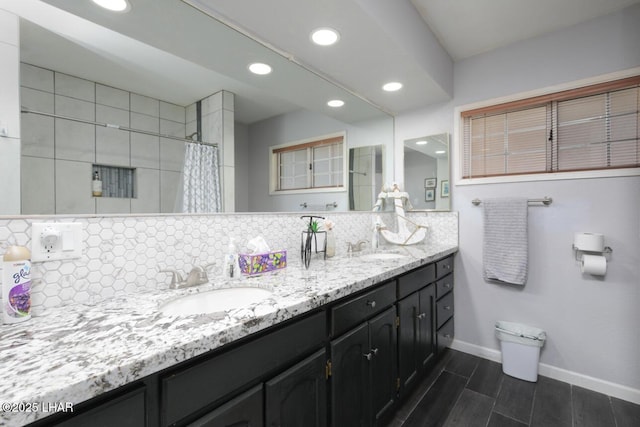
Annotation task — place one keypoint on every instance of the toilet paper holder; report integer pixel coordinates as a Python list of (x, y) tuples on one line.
[(577, 252)]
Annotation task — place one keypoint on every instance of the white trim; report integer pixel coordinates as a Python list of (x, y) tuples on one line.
[(458, 131), (601, 386), (605, 173)]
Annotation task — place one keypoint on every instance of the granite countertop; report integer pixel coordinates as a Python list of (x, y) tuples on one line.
[(76, 352)]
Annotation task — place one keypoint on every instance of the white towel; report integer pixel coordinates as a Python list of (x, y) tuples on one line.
[(505, 249)]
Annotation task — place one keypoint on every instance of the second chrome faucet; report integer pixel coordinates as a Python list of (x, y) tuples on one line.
[(197, 276), (356, 247)]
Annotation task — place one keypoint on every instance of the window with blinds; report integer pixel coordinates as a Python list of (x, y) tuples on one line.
[(590, 128), (312, 164)]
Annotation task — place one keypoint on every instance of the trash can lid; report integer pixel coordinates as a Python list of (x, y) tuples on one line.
[(520, 330)]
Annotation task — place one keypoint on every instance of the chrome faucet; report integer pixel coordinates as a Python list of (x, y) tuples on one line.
[(355, 247), (197, 276)]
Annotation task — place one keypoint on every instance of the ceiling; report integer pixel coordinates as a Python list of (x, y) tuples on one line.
[(413, 41), (382, 40), (469, 27)]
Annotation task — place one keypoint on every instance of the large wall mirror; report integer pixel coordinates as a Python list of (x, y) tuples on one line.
[(426, 172), (157, 69)]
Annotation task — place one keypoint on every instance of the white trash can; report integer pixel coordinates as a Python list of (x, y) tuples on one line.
[(520, 346)]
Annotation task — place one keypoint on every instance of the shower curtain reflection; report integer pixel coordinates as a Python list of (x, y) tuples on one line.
[(200, 180)]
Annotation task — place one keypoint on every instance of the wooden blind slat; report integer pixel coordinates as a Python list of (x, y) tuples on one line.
[(327, 141), (558, 96)]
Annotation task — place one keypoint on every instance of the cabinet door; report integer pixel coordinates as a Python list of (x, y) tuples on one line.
[(350, 382), (126, 410), (408, 339), (384, 367), (298, 396), (243, 411), (426, 326)]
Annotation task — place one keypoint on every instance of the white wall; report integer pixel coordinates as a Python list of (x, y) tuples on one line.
[(592, 324), (300, 125)]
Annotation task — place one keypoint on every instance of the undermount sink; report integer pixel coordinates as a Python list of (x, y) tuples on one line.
[(215, 301), (383, 256)]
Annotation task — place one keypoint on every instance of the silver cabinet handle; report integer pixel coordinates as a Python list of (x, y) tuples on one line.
[(447, 285), (374, 351), (447, 307), (447, 266), (447, 335), (367, 356), (372, 304), (421, 316)]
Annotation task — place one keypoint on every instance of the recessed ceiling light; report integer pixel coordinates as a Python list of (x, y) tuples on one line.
[(259, 68), (422, 142), (440, 152), (325, 36), (335, 103), (392, 86), (114, 5)]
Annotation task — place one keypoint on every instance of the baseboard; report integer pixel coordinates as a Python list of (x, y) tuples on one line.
[(612, 389)]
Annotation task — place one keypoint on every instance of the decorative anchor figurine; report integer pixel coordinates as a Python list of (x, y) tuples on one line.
[(404, 236)]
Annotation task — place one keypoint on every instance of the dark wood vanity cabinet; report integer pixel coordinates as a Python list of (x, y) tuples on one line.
[(127, 410), (346, 364), (298, 396), (444, 303), (245, 410), (364, 372), (416, 334), (209, 382)]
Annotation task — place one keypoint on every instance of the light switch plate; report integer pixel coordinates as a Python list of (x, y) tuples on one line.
[(56, 240)]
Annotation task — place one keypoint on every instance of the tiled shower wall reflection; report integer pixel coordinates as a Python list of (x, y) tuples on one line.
[(122, 255), (58, 154)]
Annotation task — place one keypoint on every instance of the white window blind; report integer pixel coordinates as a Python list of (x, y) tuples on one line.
[(312, 164), (592, 128)]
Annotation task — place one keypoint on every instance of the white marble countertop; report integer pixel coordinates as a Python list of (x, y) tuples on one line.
[(74, 353)]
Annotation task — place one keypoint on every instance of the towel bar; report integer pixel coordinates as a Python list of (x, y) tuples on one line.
[(545, 201)]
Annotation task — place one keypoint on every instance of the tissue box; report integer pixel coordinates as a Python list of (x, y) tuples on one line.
[(251, 264)]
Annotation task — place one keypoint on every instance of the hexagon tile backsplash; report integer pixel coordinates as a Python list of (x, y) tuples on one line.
[(124, 254)]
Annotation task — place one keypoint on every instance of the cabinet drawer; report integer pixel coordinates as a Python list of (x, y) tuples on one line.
[(444, 308), (444, 286), (202, 384), (444, 266), (348, 314), (445, 335), (416, 280)]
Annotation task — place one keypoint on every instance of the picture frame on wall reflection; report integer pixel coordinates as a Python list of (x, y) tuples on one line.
[(444, 189), (429, 194), (430, 182)]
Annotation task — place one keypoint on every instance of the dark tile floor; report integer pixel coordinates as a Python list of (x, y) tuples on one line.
[(465, 390)]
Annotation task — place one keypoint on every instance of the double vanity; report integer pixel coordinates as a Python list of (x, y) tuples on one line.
[(339, 344)]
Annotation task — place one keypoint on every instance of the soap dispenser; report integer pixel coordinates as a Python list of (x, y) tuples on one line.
[(96, 185), (231, 269)]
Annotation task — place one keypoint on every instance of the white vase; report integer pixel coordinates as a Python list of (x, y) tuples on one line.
[(331, 244)]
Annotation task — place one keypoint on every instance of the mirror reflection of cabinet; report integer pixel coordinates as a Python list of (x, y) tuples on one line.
[(426, 172), (365, 176)]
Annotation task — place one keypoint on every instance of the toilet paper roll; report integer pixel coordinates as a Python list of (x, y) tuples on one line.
[(592, 242), (595, 265)]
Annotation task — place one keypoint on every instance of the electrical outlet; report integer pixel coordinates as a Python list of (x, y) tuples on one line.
[(56, 240)]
